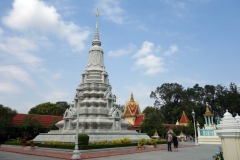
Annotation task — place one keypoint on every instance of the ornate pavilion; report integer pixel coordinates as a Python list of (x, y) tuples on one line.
[(133, 115), (184, 121)]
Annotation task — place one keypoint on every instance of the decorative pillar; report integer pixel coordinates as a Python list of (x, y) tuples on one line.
[(198, 129), (229, 132), (205, 120)]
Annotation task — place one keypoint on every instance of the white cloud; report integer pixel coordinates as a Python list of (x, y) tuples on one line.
[(19, 49), (122, 52), (36, 15), (172, 50), (139, 90), (141, 93), (152, 63), (1, 31), (176, 4), (57, 75), (55, 96), (147, 60), (145, 50), (17, 73), (9, 88), (111, 10), (143, 27)]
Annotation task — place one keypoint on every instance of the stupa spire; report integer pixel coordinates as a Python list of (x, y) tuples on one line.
[(96, 40), (96, 60)]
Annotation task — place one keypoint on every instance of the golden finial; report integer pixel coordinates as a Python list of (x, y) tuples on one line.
[(97, 14), (131, 98)]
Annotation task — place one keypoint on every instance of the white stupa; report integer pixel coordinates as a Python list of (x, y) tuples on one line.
[(98, 115)]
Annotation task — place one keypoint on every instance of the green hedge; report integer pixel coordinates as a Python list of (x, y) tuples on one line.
[(62, 146), (86, 147), (162, 142)]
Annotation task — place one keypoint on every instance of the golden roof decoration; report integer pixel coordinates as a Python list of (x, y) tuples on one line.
[(132, 107), (131, 98), (208, 112)]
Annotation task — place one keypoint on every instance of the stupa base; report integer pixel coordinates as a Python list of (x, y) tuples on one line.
[(69, 136)]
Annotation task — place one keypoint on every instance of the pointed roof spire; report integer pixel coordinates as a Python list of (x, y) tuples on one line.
[(184, 118), (96, 40), (131, 98)]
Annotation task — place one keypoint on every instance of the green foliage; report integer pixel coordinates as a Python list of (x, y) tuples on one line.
[(114, 142), (142, 141), (101, 142), (83, 139), (189, 129), (63, 104), (162, 141), (86, 147), (6, 116), (153, 121), (122, 141), (47, 109), (151, 141), (177, 130), (171, 99), (30, 127)]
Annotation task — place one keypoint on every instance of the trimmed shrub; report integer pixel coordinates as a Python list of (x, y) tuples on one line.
[(162, 141), (83, 139)]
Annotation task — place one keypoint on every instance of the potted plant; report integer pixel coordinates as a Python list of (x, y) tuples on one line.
[(24, 141), (153, 142), (141, 142)]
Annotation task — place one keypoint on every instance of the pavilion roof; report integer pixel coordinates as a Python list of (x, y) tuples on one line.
[(208, 112), (139, 120), (45, 120), (184, 118)]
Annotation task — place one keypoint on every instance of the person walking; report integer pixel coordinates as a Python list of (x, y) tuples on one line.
[(175, 143), (169, 141)]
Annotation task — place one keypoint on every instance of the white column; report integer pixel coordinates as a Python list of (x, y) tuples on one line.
[(205, 120), (229, 132)]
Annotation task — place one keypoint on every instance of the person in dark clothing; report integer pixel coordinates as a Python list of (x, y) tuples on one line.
[(175, 143)]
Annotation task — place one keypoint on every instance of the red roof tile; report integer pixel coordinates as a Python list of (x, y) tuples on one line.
[(139, 119), (45, 120)]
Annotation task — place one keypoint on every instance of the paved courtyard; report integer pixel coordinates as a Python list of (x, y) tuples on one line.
[(186, 152), (201, 152)]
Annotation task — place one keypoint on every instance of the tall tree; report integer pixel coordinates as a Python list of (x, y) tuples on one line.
[(6, 116), (47, 109), (167, 97), (63, 104), (152, 121)]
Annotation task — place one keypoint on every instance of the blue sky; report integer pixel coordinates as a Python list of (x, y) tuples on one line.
[(44, 46)]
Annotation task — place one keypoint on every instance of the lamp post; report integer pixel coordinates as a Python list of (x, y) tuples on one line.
[(193, 114), (76, 153)]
